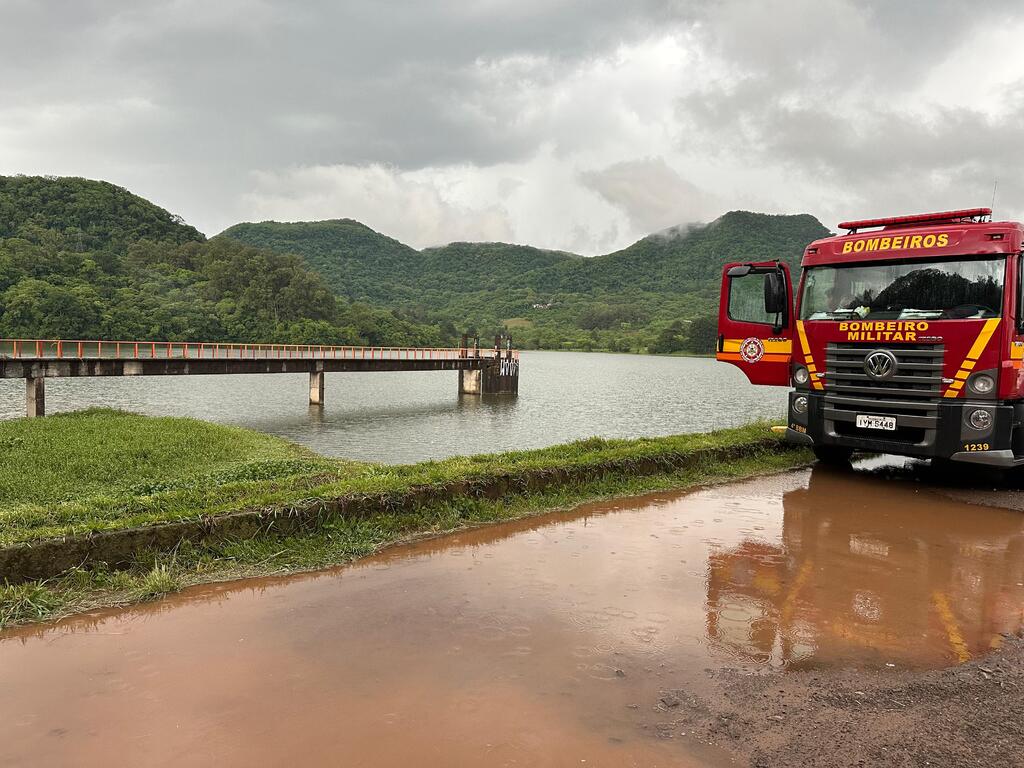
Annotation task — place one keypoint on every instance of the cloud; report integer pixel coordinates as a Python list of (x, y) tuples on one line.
[(653, 196), (575, 124), (406, 206)]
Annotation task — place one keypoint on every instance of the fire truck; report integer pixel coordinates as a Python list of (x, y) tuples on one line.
[(904, 335)]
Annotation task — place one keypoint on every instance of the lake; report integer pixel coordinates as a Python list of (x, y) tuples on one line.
[(405, 417)]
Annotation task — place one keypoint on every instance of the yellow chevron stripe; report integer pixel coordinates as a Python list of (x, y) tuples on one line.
[(972, 357), (982, 341), (807, 355)]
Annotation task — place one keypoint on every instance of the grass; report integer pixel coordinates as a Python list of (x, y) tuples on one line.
[(520, 323), (205, 469), (74, 456), (214, 475)]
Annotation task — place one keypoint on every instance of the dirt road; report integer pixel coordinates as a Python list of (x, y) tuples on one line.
[(809, 618)]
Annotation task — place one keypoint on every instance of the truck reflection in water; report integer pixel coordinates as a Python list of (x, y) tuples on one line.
[(873, 571)]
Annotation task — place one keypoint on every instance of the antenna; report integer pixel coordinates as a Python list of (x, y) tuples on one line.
[(995, 186)]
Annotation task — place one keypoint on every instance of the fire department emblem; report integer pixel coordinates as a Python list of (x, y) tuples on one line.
[(752, 349)]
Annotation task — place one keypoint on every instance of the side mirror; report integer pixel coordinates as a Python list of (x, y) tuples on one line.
[(775, 298)]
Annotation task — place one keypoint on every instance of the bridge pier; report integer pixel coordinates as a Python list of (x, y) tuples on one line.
[(499, 377), (469, 382), (316, 388), (35, 396)]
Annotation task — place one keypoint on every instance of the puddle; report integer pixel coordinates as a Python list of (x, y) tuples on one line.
[(542, 642)]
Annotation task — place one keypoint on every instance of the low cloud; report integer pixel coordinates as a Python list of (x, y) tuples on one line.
[(652, 194), (400, 205)]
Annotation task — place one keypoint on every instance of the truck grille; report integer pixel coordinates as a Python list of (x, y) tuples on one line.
[(911, 395)]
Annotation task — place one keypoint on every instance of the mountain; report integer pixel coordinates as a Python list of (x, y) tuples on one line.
[(87, 259), (621, 301), (369, 266), (93, 215), (686, 257)]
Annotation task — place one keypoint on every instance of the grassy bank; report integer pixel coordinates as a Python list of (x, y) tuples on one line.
[(110, 454), (287, 509)]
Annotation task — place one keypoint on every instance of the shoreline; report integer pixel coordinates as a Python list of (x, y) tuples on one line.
[(322, 514)]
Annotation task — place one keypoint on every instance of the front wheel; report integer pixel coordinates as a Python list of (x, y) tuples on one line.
[(834, 455)]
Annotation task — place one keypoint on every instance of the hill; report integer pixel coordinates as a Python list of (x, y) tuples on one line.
[(643, 297), (88, 259), (370, 266), (91, 215), (683, 258)]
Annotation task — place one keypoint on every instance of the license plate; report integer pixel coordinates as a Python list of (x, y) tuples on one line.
[(876, 422)]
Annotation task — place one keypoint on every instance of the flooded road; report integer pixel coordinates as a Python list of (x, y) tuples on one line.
[(549, 641)]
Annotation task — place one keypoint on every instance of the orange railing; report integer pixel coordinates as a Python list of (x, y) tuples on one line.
[(61, 349)]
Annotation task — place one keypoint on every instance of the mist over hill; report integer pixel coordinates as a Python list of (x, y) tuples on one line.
[(641, 298), (88, 259)]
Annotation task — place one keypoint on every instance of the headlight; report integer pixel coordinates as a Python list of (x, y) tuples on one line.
[(981, 383), (800, 404), (801, 376), (980, 419)]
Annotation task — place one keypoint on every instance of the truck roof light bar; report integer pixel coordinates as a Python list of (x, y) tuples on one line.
[(942, 217)]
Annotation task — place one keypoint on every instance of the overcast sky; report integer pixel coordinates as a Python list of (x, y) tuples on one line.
[(572, 124)]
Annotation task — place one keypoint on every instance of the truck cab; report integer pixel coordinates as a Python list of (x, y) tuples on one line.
[(903, 335)]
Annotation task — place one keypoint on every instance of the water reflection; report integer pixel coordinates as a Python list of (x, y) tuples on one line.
[(869, 571)]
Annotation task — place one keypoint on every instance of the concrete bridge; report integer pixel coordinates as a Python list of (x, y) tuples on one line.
[(481, 371)]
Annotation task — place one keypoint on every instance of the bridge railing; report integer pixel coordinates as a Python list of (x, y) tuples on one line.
[(74, 349)]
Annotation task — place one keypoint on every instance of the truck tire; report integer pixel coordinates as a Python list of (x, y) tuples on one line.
[(833, 455)]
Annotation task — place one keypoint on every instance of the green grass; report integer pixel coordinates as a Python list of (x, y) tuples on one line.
[(78, 455), (95, 480), (339, 541), (91, 471)]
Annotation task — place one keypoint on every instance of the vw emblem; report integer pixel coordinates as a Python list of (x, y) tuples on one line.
[(880, 364)]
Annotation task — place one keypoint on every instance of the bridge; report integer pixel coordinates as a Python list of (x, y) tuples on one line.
[(481, 371)]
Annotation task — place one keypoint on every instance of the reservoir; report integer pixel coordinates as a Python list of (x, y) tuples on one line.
[(406, 417)]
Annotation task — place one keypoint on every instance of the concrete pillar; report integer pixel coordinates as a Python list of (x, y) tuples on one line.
[(316, 387), (500, 377), (35, 397), (469, 382)]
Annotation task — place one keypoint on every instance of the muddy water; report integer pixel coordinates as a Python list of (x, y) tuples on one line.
[(545, 642)]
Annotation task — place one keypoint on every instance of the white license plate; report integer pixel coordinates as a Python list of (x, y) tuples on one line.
[(876, 422)]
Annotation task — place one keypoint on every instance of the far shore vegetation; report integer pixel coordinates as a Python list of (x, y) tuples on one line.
[(84, 473), (83, 259)]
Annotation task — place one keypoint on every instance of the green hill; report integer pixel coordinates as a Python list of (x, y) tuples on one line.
[(87, 259), (627, 300), (683, 258), (370, 266), (91, 215)]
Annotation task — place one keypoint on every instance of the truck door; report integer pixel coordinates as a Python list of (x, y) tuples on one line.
[(755, 321)]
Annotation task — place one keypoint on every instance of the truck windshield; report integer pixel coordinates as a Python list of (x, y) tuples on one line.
[(932, 290)]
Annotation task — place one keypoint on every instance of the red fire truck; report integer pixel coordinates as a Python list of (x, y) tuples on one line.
[(905, 335)]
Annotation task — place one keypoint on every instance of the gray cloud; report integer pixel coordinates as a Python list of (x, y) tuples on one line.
[(653, 195), (516, 119)]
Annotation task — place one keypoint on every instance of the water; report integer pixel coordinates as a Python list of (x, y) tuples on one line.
[(546, 641), (405, 417)]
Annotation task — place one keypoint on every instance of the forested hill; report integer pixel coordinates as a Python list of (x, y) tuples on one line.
[(684, 257), (91, 215), (87, 259), (640, 298)]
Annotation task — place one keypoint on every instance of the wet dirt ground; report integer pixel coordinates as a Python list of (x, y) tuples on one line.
[(816, 617)]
